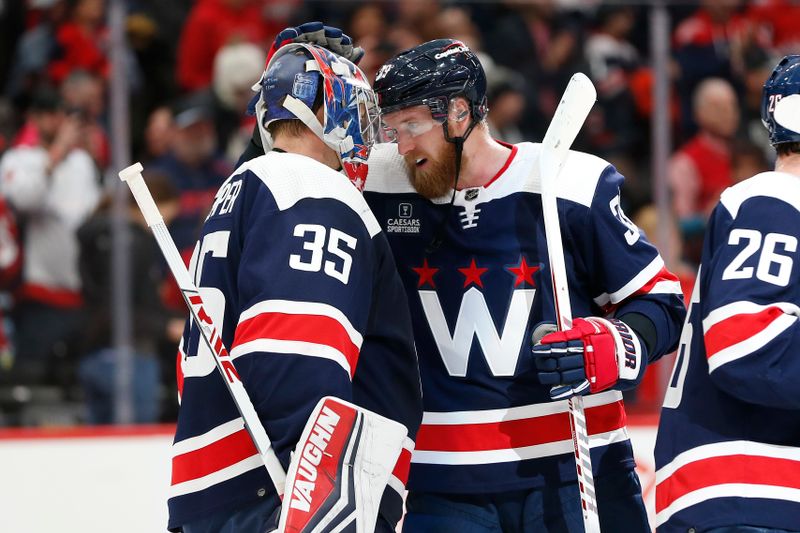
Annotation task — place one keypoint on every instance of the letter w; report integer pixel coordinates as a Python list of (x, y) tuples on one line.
[(501, 351)]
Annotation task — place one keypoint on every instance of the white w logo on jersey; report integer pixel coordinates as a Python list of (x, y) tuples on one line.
[(500, 350)]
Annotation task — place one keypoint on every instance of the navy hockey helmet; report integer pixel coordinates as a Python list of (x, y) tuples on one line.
[(432, 74), (300, 75), (783, 84)]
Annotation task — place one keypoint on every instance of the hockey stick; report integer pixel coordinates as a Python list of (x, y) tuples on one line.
[(132, 175), (577, 101)]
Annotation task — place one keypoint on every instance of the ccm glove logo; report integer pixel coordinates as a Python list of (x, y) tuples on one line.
[(595, 355)]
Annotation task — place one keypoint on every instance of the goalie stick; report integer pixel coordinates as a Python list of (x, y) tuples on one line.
[(577, 101), (132, 175)]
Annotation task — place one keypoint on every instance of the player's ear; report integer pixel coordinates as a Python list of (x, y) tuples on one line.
[(458, 115)]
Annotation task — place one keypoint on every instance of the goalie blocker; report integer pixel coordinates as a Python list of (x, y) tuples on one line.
[(339, 469)]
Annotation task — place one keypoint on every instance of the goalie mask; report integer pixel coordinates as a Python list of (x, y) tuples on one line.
[(301, 75)]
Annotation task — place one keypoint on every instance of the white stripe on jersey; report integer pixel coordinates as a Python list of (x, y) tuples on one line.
[(202, 483), (639, 281), (751, 344), (515, 413), (294, 348), (722, 449), (745, 308), (200, 441), (515, 454), (729, 490), (779, 185), (290, 307), (292, 177)]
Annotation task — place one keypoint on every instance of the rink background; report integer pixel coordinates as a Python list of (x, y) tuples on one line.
[(115, 479)]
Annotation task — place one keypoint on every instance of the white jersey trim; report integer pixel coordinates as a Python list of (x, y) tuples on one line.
[(291, 307), (639, 281), (515, 413), (745, 308), (730, 490), (722, 449), (309, 349), (292, 177), (201, 441), (778, 185), (515, 454), (202, 483), (750, 345)]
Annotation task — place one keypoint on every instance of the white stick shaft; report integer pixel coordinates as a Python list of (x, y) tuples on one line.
[(208, 330), (577, 101)]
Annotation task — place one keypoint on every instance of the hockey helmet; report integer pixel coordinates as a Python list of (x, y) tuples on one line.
[(300, 75), (432, 74), (780, 102)]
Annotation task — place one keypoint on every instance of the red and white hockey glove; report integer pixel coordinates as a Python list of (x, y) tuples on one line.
[(595, 355), (317, 33)]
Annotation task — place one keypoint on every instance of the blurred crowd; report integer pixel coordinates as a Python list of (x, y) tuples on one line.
[(190, 65)]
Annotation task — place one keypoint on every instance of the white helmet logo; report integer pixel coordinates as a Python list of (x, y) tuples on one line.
[(383, 72), (451, 51), (787, 112)]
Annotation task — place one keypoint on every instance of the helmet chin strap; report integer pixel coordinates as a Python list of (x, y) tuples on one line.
[(307, 117), (458, 141)]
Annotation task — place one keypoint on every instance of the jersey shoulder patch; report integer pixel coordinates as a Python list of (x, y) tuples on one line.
[(578, 179), (778, 185), (293, 177)]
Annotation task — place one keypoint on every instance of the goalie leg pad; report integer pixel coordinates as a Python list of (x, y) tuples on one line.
[(340, 469)]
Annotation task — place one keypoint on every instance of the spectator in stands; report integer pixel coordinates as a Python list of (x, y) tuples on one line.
[(211, 25), (542, 44), (701, 169), (53, 186), (707, 44), (236, 68), (506, 92), (194, 165), (150, 321), (158, 134), (33, 52), (81, 41), (84, 95), (612, 58)]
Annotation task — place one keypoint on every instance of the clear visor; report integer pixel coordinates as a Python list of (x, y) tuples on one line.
[(407, 129)]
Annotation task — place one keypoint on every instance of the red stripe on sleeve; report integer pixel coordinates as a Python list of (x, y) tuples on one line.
[(317, 329), (738, 328), (220, 454), (747, 469)]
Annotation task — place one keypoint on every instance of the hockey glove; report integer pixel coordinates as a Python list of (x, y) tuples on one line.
[(316, 33), (595, 355)]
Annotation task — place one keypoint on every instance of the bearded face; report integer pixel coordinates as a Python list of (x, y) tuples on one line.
[(432, 175)]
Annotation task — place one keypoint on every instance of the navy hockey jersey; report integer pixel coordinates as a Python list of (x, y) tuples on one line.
[(295, 270), (489, 425), (728, 446)]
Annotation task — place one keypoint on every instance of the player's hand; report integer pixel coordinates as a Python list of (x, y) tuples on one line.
[(317, 33), (595, 355)]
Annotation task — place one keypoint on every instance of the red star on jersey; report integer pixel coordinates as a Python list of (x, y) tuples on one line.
[(524, 273), (425, 274), (473, 274)]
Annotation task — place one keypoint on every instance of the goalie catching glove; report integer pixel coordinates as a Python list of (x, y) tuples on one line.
[(595, 355)]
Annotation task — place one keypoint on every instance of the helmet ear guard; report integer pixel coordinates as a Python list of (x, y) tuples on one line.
[(780, 102), (295, 75)]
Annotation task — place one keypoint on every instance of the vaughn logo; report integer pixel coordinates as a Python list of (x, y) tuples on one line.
[(312, 455), (405, 221)]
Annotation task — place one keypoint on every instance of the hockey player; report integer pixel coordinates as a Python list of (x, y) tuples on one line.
[(728, 446), (463, 216), (295, 270)]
